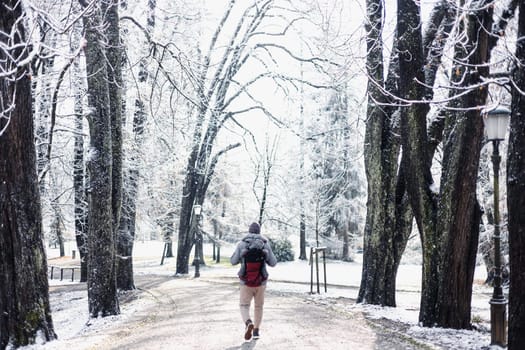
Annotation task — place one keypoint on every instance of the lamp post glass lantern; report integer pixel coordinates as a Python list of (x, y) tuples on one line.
[(496, 122), (197, 209)]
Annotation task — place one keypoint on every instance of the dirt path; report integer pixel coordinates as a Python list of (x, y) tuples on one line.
[(184, 313)]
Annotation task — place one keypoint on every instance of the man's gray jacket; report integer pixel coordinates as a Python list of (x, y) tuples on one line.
[(251, 240)]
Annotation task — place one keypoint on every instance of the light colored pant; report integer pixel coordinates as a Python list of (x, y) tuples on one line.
[(246, 296)]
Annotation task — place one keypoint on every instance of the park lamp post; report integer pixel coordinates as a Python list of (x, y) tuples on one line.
[(496, 122), (197, 209)]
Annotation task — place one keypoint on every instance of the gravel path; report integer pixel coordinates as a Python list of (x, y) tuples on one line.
[(187, 313)]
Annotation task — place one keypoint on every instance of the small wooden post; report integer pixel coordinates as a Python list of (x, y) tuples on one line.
[(311, 271), (315, 251), (164, 251)]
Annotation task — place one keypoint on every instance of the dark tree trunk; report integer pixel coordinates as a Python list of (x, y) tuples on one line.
[(223, 215), (459, 214), (389, 214), (448, 224), (345, 255), (186, 239), (126, 233), (266, 167), (167, 226), (127, 227), (194, 192), (302, 232), (169, 250), (455, 225), (516, 197), (262, 204), (373, 137), (24, 300), (302, 210), (102, 288), (56, 227), (114, 72), (416, 161), (459, 217), (381, 154)]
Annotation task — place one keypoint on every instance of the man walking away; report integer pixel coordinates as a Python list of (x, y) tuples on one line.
[(253, 252)]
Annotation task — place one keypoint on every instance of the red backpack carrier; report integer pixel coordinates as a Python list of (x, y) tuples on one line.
[(254, 260)]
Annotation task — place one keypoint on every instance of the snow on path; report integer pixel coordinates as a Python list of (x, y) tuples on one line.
[(187, 313)]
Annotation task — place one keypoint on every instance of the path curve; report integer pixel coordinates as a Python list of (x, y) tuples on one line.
[(186, 313)]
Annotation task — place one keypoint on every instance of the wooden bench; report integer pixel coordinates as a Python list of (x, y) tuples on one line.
[(62, 268)]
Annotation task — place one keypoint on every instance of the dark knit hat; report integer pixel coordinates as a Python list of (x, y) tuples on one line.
[(254, 228)]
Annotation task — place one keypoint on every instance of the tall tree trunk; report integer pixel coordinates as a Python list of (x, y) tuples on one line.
[(389, 212), (127, 227), (170, 230), (459, 214), (419, 59), (102, 288), (114, 71), (515, 197), (56, 226), (81, 210), (448, 223), (223, 215), (302, 147), (185, 240), (265, 166), (126, 233), (416, 162), (381, 154), (24, 301)]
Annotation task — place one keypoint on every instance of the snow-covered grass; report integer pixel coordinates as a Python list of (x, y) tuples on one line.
[(70, 312)]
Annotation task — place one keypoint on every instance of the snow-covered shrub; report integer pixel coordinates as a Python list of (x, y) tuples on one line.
[(282, 248)]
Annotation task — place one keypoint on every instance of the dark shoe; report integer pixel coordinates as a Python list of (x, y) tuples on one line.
[(249, 329), (256, 333)]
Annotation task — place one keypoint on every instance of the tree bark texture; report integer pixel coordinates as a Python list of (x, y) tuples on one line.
[(24, 300), (302, 147), (126, 232), (416, 161), (185, 240), (384, 239), (459, 212), (515, 197), (114, 53), (102, 288), (127, 227), (79, 178), (448, 222)]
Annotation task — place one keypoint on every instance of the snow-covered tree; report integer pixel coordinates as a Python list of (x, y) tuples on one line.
[(515, 191), (399, 115), (104, 204), (24, 303), (335, 165)]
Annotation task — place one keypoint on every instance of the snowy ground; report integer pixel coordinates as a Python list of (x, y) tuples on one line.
[(188, 313)]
